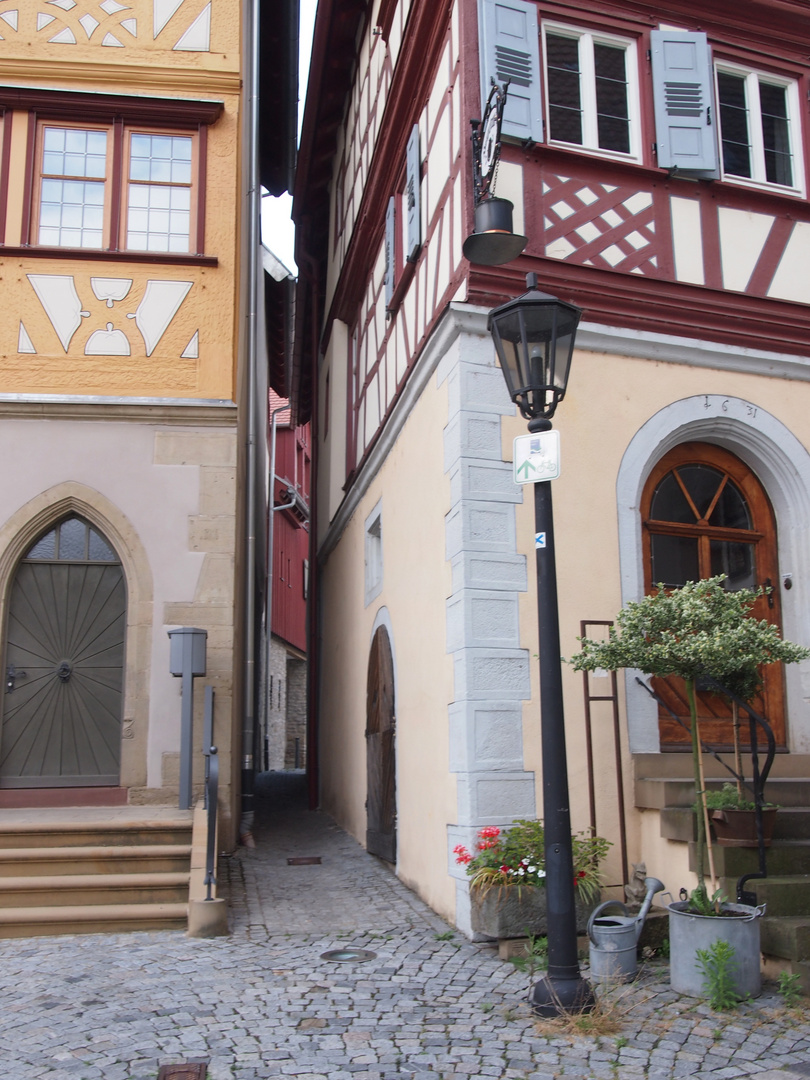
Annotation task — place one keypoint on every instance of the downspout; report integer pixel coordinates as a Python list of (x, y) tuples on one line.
[(251, 99), (271, 509), (313, 636)]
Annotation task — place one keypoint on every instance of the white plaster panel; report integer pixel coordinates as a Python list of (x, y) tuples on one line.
[(439, 163), (792, 278), (483, 570), (472, 435), (493, 799), (493, 674), (486, 736), (439, 90), (479, 619), (457, 239), (443, 270), (509, 185), (480, 527), (742, 239), (687, 240)]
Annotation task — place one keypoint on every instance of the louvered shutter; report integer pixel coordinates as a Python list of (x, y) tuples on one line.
[(510, 49), (686, 131), (390, 249), (412, 191)]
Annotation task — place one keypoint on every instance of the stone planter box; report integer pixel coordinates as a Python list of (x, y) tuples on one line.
[(738, 828), (501, 913)]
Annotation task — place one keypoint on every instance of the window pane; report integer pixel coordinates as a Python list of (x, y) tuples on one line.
[(674, 560), (731, 511), (736, 561), (702, 482), (74, 152), (670, 504), (564, 98), (71, 213), (776, 134), (44, 548), (72, 539), (734, 124), (100, 550), (153, 223), (612, 117)]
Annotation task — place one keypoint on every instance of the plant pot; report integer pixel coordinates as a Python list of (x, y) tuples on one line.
[(688, 933), (499, 912), (738, 828)]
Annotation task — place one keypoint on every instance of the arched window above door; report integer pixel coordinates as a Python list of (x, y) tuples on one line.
[(704, 513), (72, 540)]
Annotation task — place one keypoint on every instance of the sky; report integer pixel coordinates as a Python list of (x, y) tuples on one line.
[(278, 232)]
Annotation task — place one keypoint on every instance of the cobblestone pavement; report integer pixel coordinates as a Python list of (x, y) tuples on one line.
[(264, 1003)]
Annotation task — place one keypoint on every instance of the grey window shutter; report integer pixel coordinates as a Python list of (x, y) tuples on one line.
[(412, 191), (685, 122), (390, 248), (510, 49)]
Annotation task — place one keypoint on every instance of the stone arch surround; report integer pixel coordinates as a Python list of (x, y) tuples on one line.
[(782, 463), (20, 530)]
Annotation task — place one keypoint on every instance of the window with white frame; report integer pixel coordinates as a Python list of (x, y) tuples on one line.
[(759, 127), (591, 90)]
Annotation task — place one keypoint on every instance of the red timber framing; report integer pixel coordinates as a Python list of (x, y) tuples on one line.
[(601, 229)]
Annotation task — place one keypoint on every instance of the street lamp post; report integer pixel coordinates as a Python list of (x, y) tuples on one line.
[(534, 338)]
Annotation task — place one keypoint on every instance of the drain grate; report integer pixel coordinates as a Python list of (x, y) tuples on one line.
[(345, 956), (186, 1071), (305, 860)]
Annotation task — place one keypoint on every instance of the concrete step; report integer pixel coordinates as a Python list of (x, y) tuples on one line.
[(92, 919), (71, 890), (127, 859), (117, 833), (783, 858), (786, 937), (783, 896), (658, 792), (792, 823)]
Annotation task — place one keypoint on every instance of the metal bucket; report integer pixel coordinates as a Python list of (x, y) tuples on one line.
[(688, 933), (613, 944)]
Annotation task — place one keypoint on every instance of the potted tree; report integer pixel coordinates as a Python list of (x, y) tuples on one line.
[(698, 630)]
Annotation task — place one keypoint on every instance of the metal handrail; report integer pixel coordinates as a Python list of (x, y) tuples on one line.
[(211, 792), (758, 778)]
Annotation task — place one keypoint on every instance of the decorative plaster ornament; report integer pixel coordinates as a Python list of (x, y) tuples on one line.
[(160, 304), (110, 289), (64, 37), (162, 12), (43, 20), (198, 36), (110, 39), (89, 24), (11, 17), (131, 26), (24, 342), (109, 7), (192, 350), (65, 5), (58, 296), (109, 342)]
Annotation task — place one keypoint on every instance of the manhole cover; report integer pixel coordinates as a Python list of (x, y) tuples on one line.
[(348, 955), (305, 860), (193, 1071)]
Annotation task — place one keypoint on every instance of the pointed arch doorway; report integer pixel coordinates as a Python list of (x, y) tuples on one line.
[(704, 512), (381, 794), (62, 699)]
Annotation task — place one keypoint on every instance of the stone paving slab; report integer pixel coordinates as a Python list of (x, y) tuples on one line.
[(429, 1005)]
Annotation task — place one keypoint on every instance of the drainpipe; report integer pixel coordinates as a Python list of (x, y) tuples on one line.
[(253, 210), (271, 512)]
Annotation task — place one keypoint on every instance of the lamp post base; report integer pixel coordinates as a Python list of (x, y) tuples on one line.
[(556, 997)]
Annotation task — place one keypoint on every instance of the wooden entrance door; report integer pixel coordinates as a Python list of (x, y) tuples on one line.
[(381, 801), (705, 513), (61, 717)]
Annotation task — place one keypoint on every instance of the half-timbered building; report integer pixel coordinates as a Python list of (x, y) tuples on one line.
[(657, 159)]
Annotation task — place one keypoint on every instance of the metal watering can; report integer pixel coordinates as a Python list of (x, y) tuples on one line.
[(614, 937)]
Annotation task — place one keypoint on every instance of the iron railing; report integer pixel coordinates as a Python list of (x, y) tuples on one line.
[(211, 793)]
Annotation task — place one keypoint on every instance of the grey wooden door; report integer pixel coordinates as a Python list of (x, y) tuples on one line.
[(381, 801), (61, 719)]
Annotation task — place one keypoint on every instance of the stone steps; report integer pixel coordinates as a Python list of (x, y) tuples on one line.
[(89, 871)]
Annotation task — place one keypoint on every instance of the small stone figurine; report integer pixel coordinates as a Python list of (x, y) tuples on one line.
[(636, 890)]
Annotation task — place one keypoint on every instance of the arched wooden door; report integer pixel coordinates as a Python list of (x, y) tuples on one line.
[(61, 718), (381, 800), (705, 513)]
